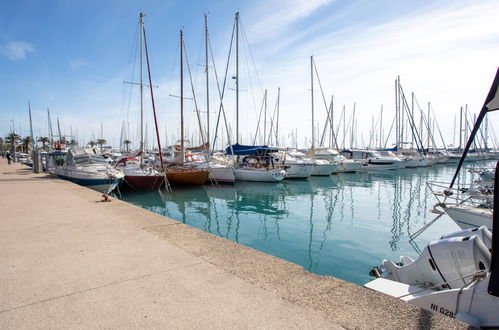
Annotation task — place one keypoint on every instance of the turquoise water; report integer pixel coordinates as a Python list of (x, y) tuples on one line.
[(340, 225)]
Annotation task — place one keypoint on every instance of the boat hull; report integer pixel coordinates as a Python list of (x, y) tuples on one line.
[(222, 175), (259, 175), (470, 217), (186, 176), (298, 171), (324, 169), (145, 182), (104, 186), (348, 166)]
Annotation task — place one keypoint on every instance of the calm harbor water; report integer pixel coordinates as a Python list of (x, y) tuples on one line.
[(340, 225)]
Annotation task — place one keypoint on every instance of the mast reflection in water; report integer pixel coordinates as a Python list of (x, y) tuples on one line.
[(340, 225)]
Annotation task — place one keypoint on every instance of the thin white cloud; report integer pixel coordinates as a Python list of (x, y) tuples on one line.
[(76, 64), (273, 17), (447, 56), (16, 50)]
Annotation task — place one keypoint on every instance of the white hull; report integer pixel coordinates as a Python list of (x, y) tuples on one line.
[(348, 166), (322, 169), (243, 174), (222, 174), (298, 171), (470, 217), (380, 167), (100, 180), (475, 305), (413, 162)]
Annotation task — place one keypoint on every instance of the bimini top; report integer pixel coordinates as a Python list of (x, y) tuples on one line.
[(240, 150)]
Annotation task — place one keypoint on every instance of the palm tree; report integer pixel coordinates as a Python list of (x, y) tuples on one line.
[(127, 144), (12, 138), (91, 144), (2, 141), (25, 143), (101, 142), (45, 141)]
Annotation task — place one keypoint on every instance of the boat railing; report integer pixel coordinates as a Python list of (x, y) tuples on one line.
[(465, 194)]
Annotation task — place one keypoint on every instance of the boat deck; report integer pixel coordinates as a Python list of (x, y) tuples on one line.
[(68, 260)]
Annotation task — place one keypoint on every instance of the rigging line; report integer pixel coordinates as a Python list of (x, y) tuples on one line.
[(221, 92), (339, 122), (426, 121), (194, 94), (152, 97), (415, 133), (272, 119), (390, 131), (346, 129), (133, 54), (438, 127), (259, 117), (373, 132), (325, 103), (325, 124), (253, 98), (251, 54)]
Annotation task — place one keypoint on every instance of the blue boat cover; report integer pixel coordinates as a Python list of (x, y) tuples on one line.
[(388, 149), (240, 150)]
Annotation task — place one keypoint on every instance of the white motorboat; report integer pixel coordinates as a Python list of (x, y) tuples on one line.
[(372, 160), (323, 167), (86, 168), (297, 164), (344, 165)]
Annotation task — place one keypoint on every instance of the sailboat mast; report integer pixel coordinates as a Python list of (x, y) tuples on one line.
[(31, 128), (312, 97), (182, 94), (152, 101), (277, 121), (51, 134), (207, 80), (141, 21), (237, 77), (265, 119), (59, 130)]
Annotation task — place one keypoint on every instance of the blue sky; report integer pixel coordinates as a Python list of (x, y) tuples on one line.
[(73, 56)]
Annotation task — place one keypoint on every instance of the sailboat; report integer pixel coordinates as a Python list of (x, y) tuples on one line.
[(220, 170), (257, 163), (140, 176), (322, 167), (178, 174)]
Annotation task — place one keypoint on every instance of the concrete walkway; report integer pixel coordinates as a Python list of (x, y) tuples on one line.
[(68, 260)]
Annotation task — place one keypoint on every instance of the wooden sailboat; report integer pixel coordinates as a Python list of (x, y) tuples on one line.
[(180, 174), (140, 176)]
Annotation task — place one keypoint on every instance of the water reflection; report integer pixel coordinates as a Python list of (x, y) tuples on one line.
[(338, 225)]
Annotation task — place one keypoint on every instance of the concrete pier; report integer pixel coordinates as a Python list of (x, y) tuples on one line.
[(68, 260)]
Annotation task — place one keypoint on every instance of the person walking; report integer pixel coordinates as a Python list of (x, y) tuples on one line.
[(9, 158)]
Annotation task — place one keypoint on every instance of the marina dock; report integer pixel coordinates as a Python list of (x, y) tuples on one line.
[(68, 260)]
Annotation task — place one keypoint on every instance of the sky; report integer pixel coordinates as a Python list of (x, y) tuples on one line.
[(73, 58)]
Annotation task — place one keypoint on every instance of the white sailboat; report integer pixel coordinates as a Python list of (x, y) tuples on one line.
[(257, 162)]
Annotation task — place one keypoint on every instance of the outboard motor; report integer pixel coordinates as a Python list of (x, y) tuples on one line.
[(448, 263), (483, 232)]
